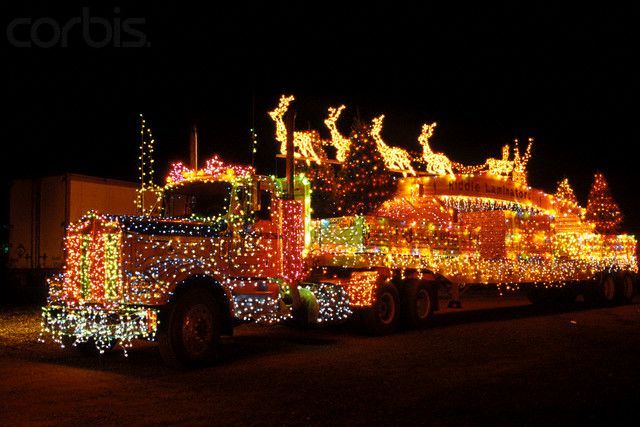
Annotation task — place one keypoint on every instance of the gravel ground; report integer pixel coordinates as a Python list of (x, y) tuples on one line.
[(511, 364), (19, 328)]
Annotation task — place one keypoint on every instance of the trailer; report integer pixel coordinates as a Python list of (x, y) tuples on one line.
[(470, 229), (40, 211)]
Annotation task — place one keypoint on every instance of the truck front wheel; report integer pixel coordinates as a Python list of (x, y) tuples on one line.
[(192, 333), (383, 316)]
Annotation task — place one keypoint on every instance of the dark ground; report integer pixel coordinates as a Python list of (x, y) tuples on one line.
[(512, 364)]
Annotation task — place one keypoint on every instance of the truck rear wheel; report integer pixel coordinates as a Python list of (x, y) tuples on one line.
[(625, 285), (382, 318), (417, 303), (192, 333)]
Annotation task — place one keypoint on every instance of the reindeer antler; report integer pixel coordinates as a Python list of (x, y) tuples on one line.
[(377, 127), (283, 106), (426, 133), (334, 114)]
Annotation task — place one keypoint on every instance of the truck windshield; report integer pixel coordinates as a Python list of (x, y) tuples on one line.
[(198, 199)]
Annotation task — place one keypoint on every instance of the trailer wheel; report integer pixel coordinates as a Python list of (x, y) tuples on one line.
[(625, 285), (192, 333), (383, 317), (417, 303), (602, 290)]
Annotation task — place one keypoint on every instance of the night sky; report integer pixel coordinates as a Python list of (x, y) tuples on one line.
[(567, 77)]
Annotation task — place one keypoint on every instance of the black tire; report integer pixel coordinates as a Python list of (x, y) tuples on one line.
[(417, 303), (191, 335), (626, 287), (383, 317), (602, 290)]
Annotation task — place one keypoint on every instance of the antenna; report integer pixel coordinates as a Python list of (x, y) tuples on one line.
[(252, 131)]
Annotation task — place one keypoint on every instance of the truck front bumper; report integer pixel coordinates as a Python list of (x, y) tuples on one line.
[(101, 326)]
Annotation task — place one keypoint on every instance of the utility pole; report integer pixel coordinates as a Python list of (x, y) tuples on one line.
[(290, 120)]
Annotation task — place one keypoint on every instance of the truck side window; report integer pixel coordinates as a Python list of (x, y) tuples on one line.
[(265, 205), (241, 197)]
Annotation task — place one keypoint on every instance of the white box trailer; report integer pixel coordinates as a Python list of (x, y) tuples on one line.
[(40, 210)]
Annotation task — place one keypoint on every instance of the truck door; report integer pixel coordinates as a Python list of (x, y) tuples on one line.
[(256, 247)]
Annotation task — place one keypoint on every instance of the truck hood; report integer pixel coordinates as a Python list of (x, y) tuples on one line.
[(170, 226)]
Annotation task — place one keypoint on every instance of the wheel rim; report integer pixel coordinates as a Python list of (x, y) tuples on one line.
[(423, 303), (627, 287), (197, 330), (609, 288), (386, 308)]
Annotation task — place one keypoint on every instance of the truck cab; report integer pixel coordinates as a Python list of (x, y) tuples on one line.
[(227, 246)]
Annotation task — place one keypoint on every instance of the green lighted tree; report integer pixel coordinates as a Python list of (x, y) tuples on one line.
[(363, 182), (601, 208), (322, 179), (565, 192)]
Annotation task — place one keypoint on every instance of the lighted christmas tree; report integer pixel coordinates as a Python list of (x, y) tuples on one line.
[(363, 182), (601, 208), (565, 192), (322, 179)]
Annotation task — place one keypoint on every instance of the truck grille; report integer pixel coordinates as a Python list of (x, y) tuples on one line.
[(93, 271)]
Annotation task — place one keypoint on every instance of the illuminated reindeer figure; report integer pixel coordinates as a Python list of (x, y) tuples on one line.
[(437, 163), (502, 167), (395, 158), (308, 143), (337, 140), (519, 173)]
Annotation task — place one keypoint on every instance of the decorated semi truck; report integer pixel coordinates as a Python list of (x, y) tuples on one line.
[(230, 246)]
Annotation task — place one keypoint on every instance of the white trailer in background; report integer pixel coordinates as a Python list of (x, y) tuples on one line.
[(40, 210)]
